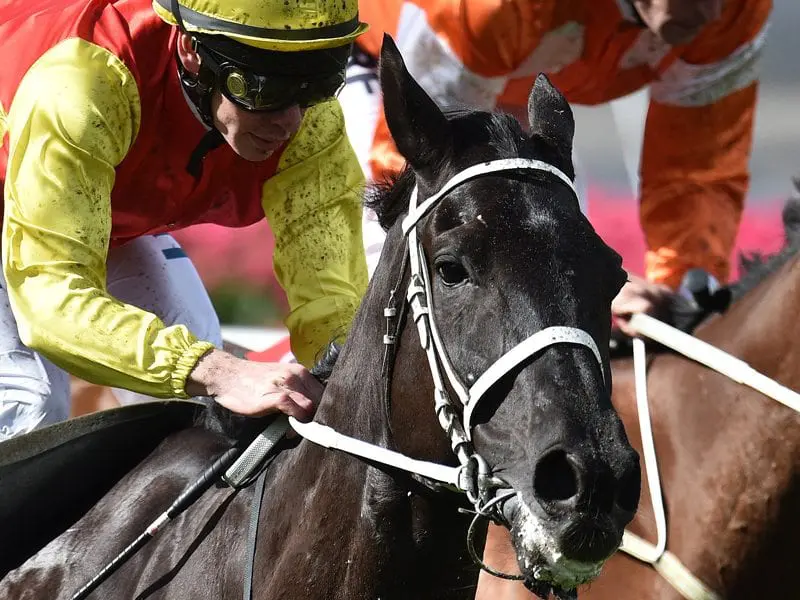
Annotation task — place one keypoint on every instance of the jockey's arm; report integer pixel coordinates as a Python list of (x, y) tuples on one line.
[(313, 205), (698, 138), (73, 120)]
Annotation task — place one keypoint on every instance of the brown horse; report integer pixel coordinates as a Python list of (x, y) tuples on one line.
[(728, 455), (500, 259)]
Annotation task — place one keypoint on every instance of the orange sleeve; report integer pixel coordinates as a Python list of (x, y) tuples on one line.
[(461, 51), (694, 182), (384, 159), (382, 17), (698, 138), (491, 37)]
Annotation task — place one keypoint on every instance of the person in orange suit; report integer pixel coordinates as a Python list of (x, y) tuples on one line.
[(699, 59)]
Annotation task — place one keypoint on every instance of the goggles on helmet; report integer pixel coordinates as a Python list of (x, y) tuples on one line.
[(254, 91)]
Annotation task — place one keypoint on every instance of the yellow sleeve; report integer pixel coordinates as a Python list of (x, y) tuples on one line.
[(313, 205), (73, 120)]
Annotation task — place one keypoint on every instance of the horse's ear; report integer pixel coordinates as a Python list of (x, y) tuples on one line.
[(420, 130), (550, 117)]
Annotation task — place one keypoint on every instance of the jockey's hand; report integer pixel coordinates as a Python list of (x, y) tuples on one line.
[(638, 296), (255, 389)]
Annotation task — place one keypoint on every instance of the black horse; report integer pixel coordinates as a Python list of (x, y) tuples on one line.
[(508, 254)]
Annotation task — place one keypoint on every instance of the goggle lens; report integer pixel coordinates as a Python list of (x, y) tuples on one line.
[(260, 92), (257, 92)]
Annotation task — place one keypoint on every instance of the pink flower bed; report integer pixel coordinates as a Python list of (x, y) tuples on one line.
[(236, 256), (616, 220), (225, 255)]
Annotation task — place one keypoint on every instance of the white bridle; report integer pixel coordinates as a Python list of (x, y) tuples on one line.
[(420, 300)]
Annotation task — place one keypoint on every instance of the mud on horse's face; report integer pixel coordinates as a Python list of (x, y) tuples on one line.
[(510, 254)]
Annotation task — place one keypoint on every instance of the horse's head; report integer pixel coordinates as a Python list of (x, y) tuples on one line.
[(506, 254)]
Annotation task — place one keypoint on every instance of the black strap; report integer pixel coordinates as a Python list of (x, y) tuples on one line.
[(252, 535), (212, 139), (200, 20), (390, 349), (175, 9)]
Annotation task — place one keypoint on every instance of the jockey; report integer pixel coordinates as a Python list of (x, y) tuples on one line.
[(124, 120), (698, 57)]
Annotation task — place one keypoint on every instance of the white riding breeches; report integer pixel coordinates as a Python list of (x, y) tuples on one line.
[(361, 104), (152, 273)]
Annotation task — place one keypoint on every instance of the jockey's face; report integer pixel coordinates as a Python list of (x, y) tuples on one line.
[(254, 135)]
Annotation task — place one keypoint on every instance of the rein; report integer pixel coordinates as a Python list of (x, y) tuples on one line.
[(663, 561)]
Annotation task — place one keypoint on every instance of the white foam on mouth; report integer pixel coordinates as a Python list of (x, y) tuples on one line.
[(559, 570)]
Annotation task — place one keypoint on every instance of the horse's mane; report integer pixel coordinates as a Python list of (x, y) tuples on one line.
[(389, 198), (756, 267)]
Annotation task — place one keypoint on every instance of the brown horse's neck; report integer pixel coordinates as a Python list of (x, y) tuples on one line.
[(728, 454), (761, 327), (759, 448)]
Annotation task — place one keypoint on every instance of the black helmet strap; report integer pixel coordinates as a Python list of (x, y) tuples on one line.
[(199, 87)]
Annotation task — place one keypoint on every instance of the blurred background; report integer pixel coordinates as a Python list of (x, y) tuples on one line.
[(236, 264), (608, 140)]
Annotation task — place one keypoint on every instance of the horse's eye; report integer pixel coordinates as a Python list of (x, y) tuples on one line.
[(451, 273)]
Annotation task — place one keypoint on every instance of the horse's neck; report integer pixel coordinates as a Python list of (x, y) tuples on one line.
[(359, 513), (728, 454), (763, 327), (353, 403)]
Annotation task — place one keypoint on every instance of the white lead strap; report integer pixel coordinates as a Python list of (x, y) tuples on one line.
[(330, 438), (633, 545), (714, 358)]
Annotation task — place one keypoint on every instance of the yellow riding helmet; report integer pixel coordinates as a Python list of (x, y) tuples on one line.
[(283, 25)]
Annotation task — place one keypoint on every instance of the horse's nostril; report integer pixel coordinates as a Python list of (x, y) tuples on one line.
[(630, 485), (556, 478)]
